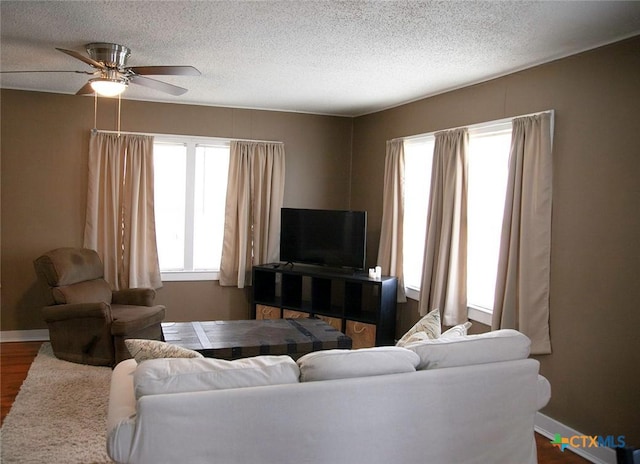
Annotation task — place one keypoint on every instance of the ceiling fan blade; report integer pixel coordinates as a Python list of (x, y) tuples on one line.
[(81, 57), (165, 70), (42, 71), (158, 85), (86, 89)]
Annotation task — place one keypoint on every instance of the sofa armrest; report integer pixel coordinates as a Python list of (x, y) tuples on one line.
[(134, 296), (63, 312), (121, 413), (544, 392)]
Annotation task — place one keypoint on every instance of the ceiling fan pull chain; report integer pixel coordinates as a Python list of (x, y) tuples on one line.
[(95, 113), (119, 103)]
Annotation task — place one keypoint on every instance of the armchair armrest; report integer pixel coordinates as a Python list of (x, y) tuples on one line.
[(62, 312), (134, 296)]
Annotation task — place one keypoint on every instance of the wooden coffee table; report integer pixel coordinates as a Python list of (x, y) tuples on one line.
[(241, 339)]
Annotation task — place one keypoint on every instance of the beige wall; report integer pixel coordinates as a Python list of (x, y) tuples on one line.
[(45, 141), (595, 269)]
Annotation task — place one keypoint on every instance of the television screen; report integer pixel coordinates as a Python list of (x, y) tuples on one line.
[(324, 237)]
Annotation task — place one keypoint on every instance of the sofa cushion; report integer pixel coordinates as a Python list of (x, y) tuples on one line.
[(426, 328), (143, 350), (160, 376), (343, 364), (500, 345)]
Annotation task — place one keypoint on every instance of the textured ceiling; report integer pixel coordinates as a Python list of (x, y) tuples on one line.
[(326, 57)]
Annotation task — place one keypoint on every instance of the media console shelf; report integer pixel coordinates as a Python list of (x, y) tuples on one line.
[(361, 307)]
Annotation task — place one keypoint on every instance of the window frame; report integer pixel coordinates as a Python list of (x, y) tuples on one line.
[(191, 143)]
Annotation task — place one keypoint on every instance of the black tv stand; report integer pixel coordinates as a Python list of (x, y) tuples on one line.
[(351, 301), (319, 268)]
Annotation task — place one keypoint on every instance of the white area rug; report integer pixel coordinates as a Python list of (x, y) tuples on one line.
[(59, 415)]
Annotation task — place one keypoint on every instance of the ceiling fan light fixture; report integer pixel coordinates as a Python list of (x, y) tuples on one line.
[(108, 87)]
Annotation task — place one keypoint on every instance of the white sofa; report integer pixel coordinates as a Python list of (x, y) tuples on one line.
[(471, 400)]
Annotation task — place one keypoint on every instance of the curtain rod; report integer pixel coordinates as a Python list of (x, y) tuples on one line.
[(475, 126), (204, 137)]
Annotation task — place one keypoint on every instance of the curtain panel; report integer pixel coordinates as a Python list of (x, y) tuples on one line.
[(522, 286), (255, 194), (444, 274), (120, 218), (390, 257)]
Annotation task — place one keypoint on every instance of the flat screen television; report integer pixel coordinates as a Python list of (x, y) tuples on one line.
[(329, 238)]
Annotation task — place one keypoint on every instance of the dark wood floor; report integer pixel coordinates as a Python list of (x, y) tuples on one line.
[(549, 454), (16, 358)]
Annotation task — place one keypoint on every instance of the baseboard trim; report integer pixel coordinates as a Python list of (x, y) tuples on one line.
[(40, 335), (548, 427)]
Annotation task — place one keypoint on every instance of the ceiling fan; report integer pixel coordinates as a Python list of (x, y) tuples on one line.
[(112, 75)]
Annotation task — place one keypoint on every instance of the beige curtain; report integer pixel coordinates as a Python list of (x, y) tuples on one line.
[(522, 286), (255, 194), (444, 274), (391, 233), (120, 220)]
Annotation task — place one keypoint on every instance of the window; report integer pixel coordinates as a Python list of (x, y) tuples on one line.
[(486, 189), (418, 157), (487, 179), (190, 178)]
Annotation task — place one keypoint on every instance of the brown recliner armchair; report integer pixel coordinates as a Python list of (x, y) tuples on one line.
[(88, 322)]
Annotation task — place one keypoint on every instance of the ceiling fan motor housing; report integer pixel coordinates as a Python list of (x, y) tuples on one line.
[(112, 55)]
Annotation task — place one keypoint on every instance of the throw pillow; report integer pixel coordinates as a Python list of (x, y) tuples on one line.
[(413, 338), (160, 376), (143, 350), (429, 325), (459, 330), (467, 350), (365, 362)]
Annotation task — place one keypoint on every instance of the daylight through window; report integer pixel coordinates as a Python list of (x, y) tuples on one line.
[(418, 156), (488, 168), (190, 177), (487, 179)]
